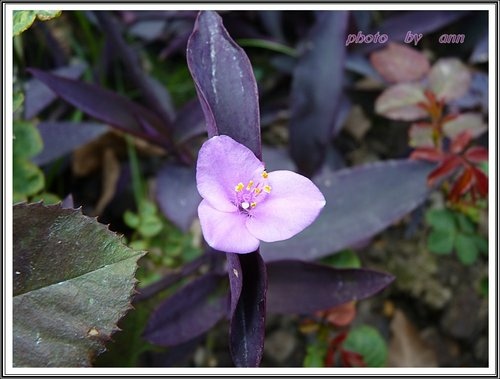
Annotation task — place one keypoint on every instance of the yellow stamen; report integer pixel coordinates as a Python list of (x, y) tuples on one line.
[(265, 174), (253, 204), (257, 191), (267, 189), (250, 184), (239, 187)]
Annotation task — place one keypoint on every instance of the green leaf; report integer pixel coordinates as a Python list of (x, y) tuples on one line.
[(18, 101), (46, 198), (441, 219), (481, 244), (344, 259), (483, 287), (465, 223), (466, 249), (315, 354), (150, 226), (73, 279), (28, 179), (441, 242), (27, 140), (22, 20), (368, 342), (131, 219)]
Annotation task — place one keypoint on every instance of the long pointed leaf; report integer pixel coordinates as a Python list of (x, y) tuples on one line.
[(305, 287), (247, 275), (106, 106), (360, 202), (316, 88), (225, 82)]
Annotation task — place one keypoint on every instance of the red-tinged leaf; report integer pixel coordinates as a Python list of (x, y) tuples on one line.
[(462, 185), (351, 359), (447, 166), (248, 282), (225, 82), (460, 142), (477, 154), (428, 154), (107, 106), (341, 315), (481, 181), (400, 63), (401, 102)]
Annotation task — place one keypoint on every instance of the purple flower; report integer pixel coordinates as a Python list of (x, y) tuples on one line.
[(243, 204)]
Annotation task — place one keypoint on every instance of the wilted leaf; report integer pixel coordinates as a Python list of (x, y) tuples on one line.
[(305, 287), (399, 102), (406, 348), (400, 188), (449, 79), (400, 63), (225, 82), (73, 280), (368, 342)]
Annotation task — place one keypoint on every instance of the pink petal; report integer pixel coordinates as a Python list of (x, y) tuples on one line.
[(222, 164), (226, 231), (293, 204)]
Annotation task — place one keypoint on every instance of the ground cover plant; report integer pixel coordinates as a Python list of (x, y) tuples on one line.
[(252, 188)]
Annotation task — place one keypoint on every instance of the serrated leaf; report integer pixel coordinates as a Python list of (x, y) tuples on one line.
[(441, 219), (368, 342), (441, 241), (466, 249), (73, 279)]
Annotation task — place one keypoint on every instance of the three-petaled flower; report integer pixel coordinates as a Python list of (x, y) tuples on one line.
[(243, 204)]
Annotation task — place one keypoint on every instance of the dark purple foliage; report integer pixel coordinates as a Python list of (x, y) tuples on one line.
[(188, 313), (304, 287), (316, 88), (37, 96), (177, 194), (225, 82), (360, 202), (248, 281), (107, 106), (189, 122), (60, 138)]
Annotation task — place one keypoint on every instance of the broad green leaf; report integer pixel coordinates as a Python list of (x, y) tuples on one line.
[(27, 140), (46, 198), (28, 179), (466, 249), (73, 279), (368, 342), (315, 354), (441, 219), (441, 241), (465, 224), (344, 259), (22, 20)]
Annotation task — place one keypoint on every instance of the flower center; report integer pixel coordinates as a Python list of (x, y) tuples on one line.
[(247, 197)]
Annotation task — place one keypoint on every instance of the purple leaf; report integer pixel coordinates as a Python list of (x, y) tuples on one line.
[(316, 89), (248, 280), (38, 96), (360, 202), (224, 82), (189, 122), (177, 195), (304, 287), (360, 64), (188, 313), (60, 138), (106, 106)]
